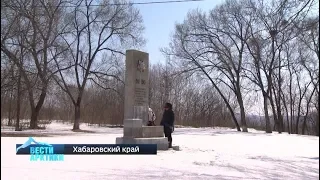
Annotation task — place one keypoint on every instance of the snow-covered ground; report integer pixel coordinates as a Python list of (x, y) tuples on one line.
[(206, 153)]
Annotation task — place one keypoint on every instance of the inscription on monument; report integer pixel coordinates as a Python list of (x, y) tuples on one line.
[(140, 96), (140, 81)]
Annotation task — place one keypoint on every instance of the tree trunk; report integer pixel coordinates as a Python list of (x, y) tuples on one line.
[(17, 128), (243, 115), (270, 80), (291, 100), (232, 114), (10, 108), (266, 114), (317, 124), (280, 120), (286, 112), (301, 96), (275, 117), (76, 124), (304, 125), (10, 100), (288, 123), (234, 119), (280, 117), (34, 119), (307, 112), (298, 117), (278, 110), (242, 111), (228, 106), (35, 111)]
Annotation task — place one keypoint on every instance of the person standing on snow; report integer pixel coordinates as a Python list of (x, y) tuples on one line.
[(168, 122)]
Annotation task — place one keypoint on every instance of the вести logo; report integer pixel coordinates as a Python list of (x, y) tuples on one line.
[(40, 151)]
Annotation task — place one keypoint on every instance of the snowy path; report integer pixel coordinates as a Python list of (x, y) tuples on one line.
[(213, 154)]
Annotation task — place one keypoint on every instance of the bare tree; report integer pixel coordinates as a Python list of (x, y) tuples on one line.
[(33, 26), (17, 124), (271, 30), (216, 42), (309, 42), (227, 30), (108, 28)]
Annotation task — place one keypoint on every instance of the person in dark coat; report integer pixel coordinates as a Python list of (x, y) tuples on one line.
[(168, 122)]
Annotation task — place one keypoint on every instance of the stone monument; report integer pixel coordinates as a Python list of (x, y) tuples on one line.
[(136, 104)]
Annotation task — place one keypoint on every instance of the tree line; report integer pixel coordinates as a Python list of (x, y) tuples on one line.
[(267, 46), (64, 60)]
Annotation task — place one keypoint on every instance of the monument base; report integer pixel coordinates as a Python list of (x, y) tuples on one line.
[(162, 142)]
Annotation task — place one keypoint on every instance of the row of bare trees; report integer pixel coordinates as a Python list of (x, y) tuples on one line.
[(267, 46), (195, 103), (67, 43), (64, 60), (103, 107)]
